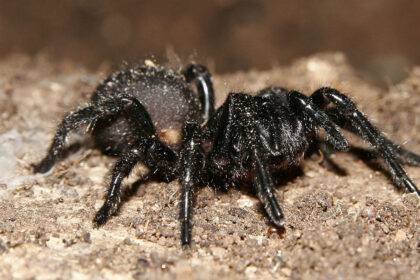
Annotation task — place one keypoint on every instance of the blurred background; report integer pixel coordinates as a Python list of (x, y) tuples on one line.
[(380, 37)]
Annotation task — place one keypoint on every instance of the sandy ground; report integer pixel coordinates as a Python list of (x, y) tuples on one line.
[(344, 223)]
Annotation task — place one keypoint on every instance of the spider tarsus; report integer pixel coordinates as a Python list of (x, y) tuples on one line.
[(102, 216), (43, 166), (263, 185), (279, 221), (185, 234), (410, 186), (186, 246)]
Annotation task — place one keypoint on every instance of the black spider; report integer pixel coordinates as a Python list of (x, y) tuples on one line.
[(243, 141)]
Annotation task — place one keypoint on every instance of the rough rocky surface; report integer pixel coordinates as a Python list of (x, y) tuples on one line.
[(344, 223)]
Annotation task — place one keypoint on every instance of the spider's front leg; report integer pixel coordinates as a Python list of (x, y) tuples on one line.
[(191, 169), (345, 112)]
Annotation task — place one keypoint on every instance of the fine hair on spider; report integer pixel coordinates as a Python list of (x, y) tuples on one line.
[(242, 141)]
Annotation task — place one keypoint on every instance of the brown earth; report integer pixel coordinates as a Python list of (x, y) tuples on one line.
[(352, 224)]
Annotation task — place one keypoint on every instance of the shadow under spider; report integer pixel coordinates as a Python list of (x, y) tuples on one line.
[(371, 159), (368, 156)]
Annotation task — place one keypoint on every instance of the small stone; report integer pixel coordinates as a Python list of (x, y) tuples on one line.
[(384, 228), (400, 235), (286, 271), (311, 174), (86, 237), (250, 270), (218, 252), (245, 201)]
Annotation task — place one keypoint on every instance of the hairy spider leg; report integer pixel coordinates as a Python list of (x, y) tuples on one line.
[(192, 156), (89, 116), (201, 76), (121, 170), (347, 112), (312, 114), (308, 112), (312, 117), (221, 129), (148, 150), (191, 168), (264, 188), (403, 155), (70, 122)]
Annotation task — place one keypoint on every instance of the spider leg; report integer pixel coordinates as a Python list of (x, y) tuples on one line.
[(312, 114), (70, 122), (221, 126), (121, 170), (191, 165), (201, 76), (312, 117), (89, 116), (404, 156), (153, 153), (347, 110), (263, 186)]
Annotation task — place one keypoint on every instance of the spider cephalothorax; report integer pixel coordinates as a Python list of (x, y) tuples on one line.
[(242, 141)]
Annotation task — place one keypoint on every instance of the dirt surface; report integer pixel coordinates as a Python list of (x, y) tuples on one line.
[(343, 223)]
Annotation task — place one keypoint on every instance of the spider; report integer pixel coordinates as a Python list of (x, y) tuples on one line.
[(244, 140)]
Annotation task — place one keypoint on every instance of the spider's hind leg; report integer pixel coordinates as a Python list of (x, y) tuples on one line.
[(89, 116), (404, 156), (346, 113), (71, 122)]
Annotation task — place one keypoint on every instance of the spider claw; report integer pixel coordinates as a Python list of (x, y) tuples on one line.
[(102, 215), (277, 219), (410, 186), (185, 235), (185, 246), (43, 167)]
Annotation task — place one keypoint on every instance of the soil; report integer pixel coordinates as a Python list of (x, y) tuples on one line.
[(345, 219)]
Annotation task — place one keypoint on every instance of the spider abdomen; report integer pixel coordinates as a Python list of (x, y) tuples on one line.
[(165, 95)]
